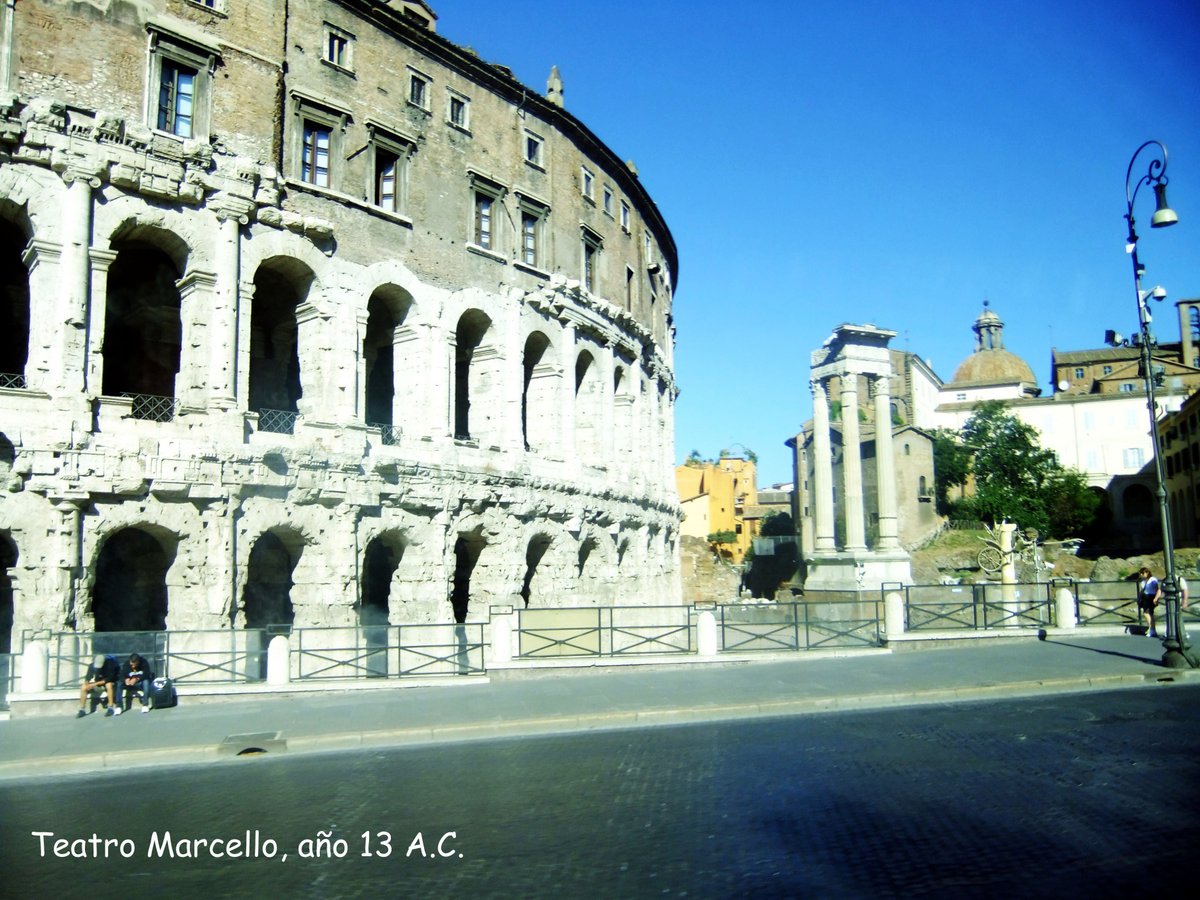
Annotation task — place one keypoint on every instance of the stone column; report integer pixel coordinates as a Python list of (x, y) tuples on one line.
[(852, 464), (885, 466), (568, 394), (223, 365), (606, 443), (822, 492), (508, 430), (70, 356), (197, 292), (97, 311)]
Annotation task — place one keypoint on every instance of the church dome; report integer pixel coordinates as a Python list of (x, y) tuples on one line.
[(994, 367), (991, 363)]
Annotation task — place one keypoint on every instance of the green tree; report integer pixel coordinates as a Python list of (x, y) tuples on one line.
[(1019, 480), (951, 466), (766, 572)]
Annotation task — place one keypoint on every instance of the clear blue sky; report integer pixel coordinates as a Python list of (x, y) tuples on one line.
[(885, 162)]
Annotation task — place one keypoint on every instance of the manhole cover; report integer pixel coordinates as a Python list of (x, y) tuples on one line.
[(252, 744)]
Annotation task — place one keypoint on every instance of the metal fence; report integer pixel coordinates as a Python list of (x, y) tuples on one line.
[(605, 631), (389, 435), (151, 407), (277, 421), (977, 607), (382, 651), (821, 621), (12, 380), (8, 674)]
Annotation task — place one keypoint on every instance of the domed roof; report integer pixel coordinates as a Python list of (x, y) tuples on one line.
[(994, 367), (991, 363)]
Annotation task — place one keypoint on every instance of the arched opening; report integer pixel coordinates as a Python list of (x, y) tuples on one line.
[(386, 312), (14, 306), (468, 384), (537, 548), (130, 588), (280, 286), (1138, 502), (8, 560), (142, 328), (535, 397), (585, 552), (379, 565), (467, 549), (587, 408), (267, 596)]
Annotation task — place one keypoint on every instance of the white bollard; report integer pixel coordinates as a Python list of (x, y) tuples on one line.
[(1064, 608), (893, 614), (278, 669), (35, 667), (706, 634), (502, 638)]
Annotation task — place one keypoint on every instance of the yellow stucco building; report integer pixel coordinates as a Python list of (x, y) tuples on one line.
[(715, 497)]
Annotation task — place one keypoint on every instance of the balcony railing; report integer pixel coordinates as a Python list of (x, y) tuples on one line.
[(277, 421), (11, 380), (152, 408), (389, 434)]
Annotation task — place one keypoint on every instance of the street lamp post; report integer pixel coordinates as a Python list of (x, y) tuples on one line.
[(1176, 649)]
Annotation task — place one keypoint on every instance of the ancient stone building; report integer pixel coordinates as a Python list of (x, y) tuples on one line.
[(311, 316)]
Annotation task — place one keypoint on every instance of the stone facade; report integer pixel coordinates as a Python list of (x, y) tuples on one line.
[(313, 317)]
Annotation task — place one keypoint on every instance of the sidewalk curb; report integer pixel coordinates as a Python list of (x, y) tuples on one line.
[(600, 721)]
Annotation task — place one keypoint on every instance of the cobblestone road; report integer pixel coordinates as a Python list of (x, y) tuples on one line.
[(1033, 797)]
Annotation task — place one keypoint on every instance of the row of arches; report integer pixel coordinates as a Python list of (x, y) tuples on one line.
[(134, 574)]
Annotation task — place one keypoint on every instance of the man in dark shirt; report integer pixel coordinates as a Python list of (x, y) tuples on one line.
[(135, 681), (102, 674)]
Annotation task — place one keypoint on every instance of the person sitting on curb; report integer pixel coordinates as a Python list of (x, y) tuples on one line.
[(102, 674), (1149, 593), (136, 678)]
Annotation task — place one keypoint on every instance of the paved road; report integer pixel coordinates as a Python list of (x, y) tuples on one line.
[(1037, 796)]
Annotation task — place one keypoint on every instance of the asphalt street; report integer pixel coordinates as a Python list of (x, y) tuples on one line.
[(1037, 796)]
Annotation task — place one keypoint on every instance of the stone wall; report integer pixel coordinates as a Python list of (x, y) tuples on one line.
[(231, 386)]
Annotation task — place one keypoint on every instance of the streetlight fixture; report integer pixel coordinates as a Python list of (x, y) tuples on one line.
[(1176, 649)]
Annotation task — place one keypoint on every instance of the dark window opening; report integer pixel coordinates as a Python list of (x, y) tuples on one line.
[(533, 556), (142, 328), (472, 328), (267, 597), (14, 307), (466, 556), (535, 349), (130, 590), (8, 559), (274, 356)]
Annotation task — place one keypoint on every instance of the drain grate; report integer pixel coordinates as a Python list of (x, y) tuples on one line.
[(252, 744)]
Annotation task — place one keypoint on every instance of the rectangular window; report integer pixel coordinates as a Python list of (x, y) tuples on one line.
[(629, 277), (529, 238), (456, 112), (1079, 373), (418, 90), (1133, 457), (625, 216), (592, 243), (533, 149), (587, 183), (338, 47), (1126, 388), (387, 168), (608, 200), (1107, 370), (483, 220), (176, 98), (314, 163)]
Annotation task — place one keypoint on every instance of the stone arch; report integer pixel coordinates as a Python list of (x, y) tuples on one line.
[(1137, 502), (267, 593), (143, 329), (538, 392), (476, 378), (385, 377), (594, 565), (381, 560), (531, 586), (588, 398), (281, 286), (129, 578), (15, 234), (468, 547), (8, 561)]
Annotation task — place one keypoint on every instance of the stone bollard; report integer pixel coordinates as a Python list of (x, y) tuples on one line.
[(1064, 608), (35, 667), (279, 670), (706, 633), (502, 634), (893, 614)]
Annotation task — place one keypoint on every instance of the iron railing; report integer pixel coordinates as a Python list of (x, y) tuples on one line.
[(1105, 602), (71, 652), (12, 380), (277, 421), (816, 623), (604, 631), (389, 435), (380, 651), (977, 607), (8, 674), (151, 407)]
